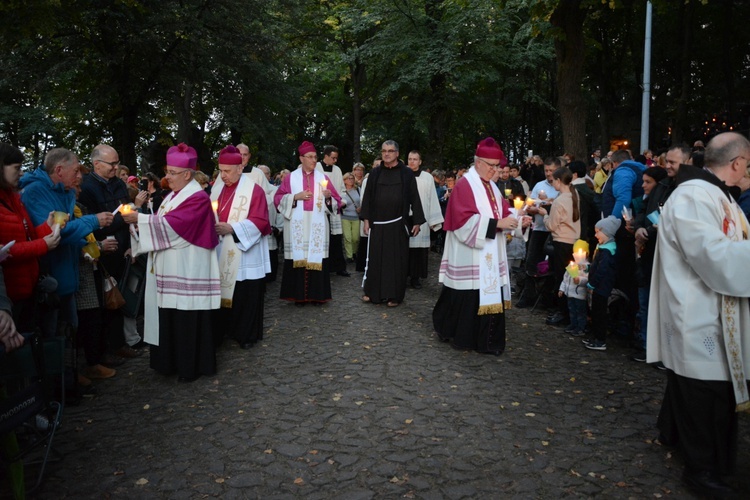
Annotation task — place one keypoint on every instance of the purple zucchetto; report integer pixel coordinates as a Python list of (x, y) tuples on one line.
[(230, 155), (182, 156), (306, 147), (489, 149)]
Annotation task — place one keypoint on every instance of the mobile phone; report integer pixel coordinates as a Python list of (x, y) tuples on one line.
[(143, 185)]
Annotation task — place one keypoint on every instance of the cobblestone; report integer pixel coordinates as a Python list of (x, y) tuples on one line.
[(358, 401)]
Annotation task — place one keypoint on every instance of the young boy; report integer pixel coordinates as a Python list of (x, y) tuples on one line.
[(601, 281)]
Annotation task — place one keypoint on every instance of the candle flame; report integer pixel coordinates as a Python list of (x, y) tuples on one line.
[(215, 205)]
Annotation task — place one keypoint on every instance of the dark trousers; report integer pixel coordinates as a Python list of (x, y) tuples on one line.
[(599, 317), (577, 311), (699, 417), (336, 253)]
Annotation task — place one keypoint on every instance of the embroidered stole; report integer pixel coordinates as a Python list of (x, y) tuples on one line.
[(230, 256), (151, 308), (494, 283), (313, 260), (730, 312)]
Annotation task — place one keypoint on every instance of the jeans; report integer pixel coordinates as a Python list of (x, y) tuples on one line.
[(577, 310)]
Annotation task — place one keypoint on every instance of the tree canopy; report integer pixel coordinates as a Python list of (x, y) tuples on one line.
[(553, 76)]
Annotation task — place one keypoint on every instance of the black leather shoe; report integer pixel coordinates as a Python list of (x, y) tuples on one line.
[(345, 274), (415, 283), (188, 379), (707, 484)]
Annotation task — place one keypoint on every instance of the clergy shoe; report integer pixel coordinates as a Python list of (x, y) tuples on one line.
[(416, 283), (557, 320), (247, 345), (707, 484), (345, 274), (188, 379)]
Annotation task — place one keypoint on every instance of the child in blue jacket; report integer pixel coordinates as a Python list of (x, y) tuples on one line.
[(602, 274)]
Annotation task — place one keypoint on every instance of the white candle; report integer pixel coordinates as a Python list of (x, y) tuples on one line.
[(215, 206)]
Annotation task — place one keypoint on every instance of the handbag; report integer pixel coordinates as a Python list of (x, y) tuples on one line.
[(113, 299)]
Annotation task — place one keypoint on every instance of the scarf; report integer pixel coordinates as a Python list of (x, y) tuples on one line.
[(230, 256), (316, 250), (493, 262)]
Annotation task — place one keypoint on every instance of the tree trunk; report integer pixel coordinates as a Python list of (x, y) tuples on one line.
[(570, 53)]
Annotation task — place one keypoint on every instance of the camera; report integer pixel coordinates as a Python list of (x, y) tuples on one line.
[(143, 185)]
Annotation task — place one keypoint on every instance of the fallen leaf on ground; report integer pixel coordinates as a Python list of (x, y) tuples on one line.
[(146, 407), (142, 481), (299, 481)]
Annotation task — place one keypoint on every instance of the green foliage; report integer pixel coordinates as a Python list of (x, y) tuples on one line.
[(436, 75)]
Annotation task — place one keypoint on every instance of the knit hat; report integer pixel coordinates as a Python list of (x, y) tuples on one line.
[(489, 149), (656, 173), (132, 178), (230, 155), (182, 156), (306, 147), (609, 226)]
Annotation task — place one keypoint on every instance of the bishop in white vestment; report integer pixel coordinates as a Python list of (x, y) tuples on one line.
[(182, 284), (242, 212)]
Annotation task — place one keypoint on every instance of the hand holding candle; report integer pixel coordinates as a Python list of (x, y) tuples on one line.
[(572, 269)]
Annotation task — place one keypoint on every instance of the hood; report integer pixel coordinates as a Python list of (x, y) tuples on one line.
[(40, 175)]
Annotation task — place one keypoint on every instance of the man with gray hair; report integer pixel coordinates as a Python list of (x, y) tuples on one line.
[(390, 194), (49, 188), (699, 316)]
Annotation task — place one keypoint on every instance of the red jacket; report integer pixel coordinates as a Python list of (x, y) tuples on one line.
[(21, 269)]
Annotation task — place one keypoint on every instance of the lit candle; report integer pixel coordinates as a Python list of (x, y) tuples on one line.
[(580, 256), (125, 210), (507, 193), (518, 204), (324, 183), (541, 193), (530, 201), (215, 206), (572, 269)]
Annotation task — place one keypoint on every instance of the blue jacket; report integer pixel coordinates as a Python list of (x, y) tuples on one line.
[(40, 197), (623, 185)]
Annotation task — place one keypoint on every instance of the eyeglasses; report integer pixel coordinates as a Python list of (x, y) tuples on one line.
[(388, 151), (493, 165), (111, 163), (740, 156), (310, 157), (173, 173)]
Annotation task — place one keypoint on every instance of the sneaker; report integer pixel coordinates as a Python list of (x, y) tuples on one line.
[(639, 356), (99, 372), (577, 333), (571, 330), (596, 345)]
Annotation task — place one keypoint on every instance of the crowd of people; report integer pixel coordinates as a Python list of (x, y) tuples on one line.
[(644, 249)]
